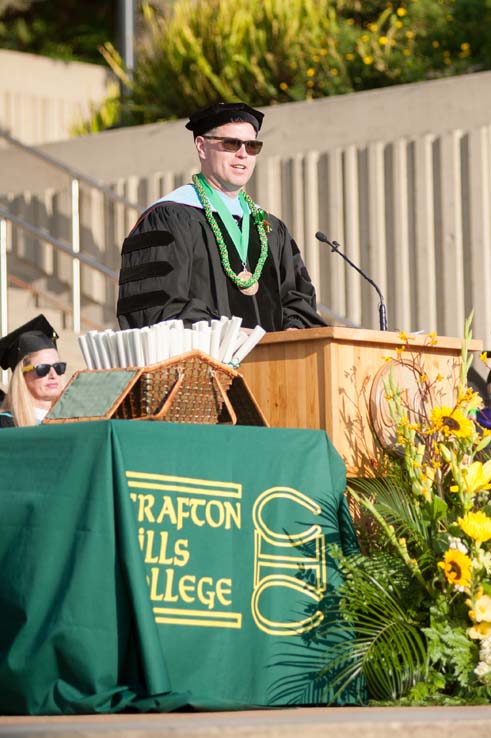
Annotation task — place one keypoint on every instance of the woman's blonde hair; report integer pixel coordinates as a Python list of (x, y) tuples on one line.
[(18, 399)]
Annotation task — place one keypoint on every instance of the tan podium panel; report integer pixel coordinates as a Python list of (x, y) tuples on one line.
[(331, 379)]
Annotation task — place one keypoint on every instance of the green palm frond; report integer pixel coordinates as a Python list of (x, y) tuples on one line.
[(378, 602), (390, 503), (370, 640), (396, 505)]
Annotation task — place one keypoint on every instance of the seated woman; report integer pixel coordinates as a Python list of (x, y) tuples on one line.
[(30, 352)]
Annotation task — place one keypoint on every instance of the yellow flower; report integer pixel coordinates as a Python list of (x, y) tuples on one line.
[(368, 60), (477, 525), (484, 356), (475, 477), (323, 52), (457, 567), (334, 71), (482, 609), (435, 44), (399, 24), (472, 400), (349, 56), (283, 86), (310, 72), (465, 46), (401, 12), (365, 37), (451, 422), (409, 34), (383, 40), (482, 630), (372, 27)]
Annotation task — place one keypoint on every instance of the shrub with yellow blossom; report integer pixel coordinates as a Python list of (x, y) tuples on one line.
[(194, 52), (431, 555)]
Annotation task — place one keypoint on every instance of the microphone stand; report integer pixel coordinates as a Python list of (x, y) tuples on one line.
[(382, 310)]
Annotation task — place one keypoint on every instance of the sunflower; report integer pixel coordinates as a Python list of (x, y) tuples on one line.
[(477, 525), (475, 477), (451, 422), (457, 567)]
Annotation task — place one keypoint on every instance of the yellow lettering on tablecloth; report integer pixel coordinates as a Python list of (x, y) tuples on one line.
[(165, 505), (270, 554)]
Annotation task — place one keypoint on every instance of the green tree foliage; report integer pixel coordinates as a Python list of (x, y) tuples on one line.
[(195, 52), (65, 30), (191, 53)]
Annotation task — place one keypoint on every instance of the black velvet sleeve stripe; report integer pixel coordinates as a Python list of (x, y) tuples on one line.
[(144, 271), (144, 240), (141, 302)]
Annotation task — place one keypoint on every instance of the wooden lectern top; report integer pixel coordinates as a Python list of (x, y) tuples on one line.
[(331, 379)]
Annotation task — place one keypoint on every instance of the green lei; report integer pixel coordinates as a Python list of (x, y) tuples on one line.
[(259, 220)]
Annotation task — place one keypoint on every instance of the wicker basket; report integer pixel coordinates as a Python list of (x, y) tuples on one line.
[(190, 388)]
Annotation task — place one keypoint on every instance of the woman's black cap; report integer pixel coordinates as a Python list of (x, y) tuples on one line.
[(35, 335), (220, 113)]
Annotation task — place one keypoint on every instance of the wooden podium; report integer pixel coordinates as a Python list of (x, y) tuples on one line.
[(332, 379)]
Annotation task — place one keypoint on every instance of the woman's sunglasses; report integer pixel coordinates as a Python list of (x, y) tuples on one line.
[(233, 145), (42, 370)]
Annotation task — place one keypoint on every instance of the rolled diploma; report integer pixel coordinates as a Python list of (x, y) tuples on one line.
[(122, 355), (111, 348), (136, 339), (94, 349), (176, 340), (188, 339), (86, 352), (205, 332), (216, 332), (148, 340), (251, 341), (162, 331), (228, 343), (103, 350), (129, 348)]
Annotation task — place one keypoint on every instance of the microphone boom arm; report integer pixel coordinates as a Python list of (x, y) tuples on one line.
[(382, 311)]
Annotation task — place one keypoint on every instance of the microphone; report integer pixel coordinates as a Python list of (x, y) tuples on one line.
[(382, 311)]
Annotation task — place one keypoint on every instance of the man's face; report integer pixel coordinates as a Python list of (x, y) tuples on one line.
[(227, 171)]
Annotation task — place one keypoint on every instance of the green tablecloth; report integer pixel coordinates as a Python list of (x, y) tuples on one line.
[(154, 566)]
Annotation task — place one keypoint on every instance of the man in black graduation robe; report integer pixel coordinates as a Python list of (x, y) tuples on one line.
[(171, 263)]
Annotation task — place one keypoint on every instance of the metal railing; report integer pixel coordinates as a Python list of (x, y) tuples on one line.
[(77, 178), (59, 245)]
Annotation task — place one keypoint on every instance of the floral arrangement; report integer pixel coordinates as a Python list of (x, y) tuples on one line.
[(418, 600)]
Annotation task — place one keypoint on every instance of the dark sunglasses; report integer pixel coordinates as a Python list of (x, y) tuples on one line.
[(233, 145), (42, 370)]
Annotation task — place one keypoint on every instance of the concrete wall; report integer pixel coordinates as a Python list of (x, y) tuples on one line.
[(400, 177), (41, 98)]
